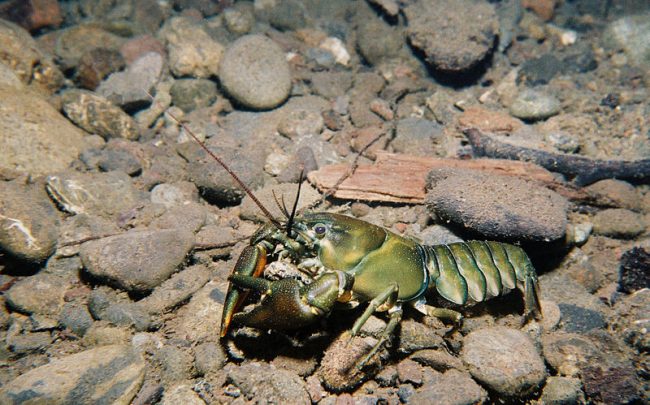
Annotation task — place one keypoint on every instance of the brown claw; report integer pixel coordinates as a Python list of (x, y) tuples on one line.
[(281, 308)]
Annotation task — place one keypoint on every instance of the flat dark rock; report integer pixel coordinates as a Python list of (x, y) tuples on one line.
[(497, 206)]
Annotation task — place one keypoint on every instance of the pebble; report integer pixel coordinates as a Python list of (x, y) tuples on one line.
[(330, 84), (301, 123), (408, 371), (287, 15), (39, 294), (303, 160), (337, 49), (631, 319), (533, 105), (176, 364), (415, 336), (552, 315), (239, 19), (23, 56), (438, 359), (76, 317), (416, 136), (33, 14), (374, 51), (72, 43), (181, 394), (176, 290), (618, 223), (99, 116), (209, 357), (563, 142), (96, 64), (452, 387), (118, 160), (497, 206), (192, 94), (110, 374), (454, 37), (127, 314), (438, 234), (580, 320), (98, 194), (634, 271), (208, 301), (28, 222), (506, 360), (132, 87), (260, 380), (27, 343), (539, 71), (107, 305), (102, 333), (48, 144), (337, 366), (215, 184), (365, 88), (137, 261), (615, 193), (140, 45), (632, 34), (174, 194), (562, 289), (607, 375), (563, 391), (151, 392), (382, 108), (255, 72), (192, 51)]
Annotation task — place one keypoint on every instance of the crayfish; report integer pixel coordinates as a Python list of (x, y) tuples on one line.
[(352, 262)]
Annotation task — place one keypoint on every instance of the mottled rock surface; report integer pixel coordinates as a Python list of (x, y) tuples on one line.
[(454, 37), (504, 359), (139, 260), (497, 206), (107, 374), (28, 221)]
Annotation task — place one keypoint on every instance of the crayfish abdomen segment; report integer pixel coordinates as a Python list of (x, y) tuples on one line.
[(476, 271)]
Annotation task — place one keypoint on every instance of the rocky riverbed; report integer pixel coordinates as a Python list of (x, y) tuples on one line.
[(118, 232)]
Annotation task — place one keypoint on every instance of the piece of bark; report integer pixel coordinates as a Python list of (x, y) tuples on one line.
[(402, 178), (583, 170)]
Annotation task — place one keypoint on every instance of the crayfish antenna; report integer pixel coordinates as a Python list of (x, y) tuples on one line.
[(239, 181), (295, 203)]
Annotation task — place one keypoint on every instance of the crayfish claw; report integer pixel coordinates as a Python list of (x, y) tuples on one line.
[(282, 306)]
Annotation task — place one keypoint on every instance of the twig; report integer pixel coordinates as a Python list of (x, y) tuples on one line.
[(583, 170)]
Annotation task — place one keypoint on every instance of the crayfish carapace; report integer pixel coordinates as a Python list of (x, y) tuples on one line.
[(353, 262)]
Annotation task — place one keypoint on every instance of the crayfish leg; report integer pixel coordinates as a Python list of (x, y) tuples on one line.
[(387, 297), (251, 263), (444, 314), (395, 318)]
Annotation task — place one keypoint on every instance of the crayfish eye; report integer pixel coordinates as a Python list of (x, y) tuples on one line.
[(320, 230)]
